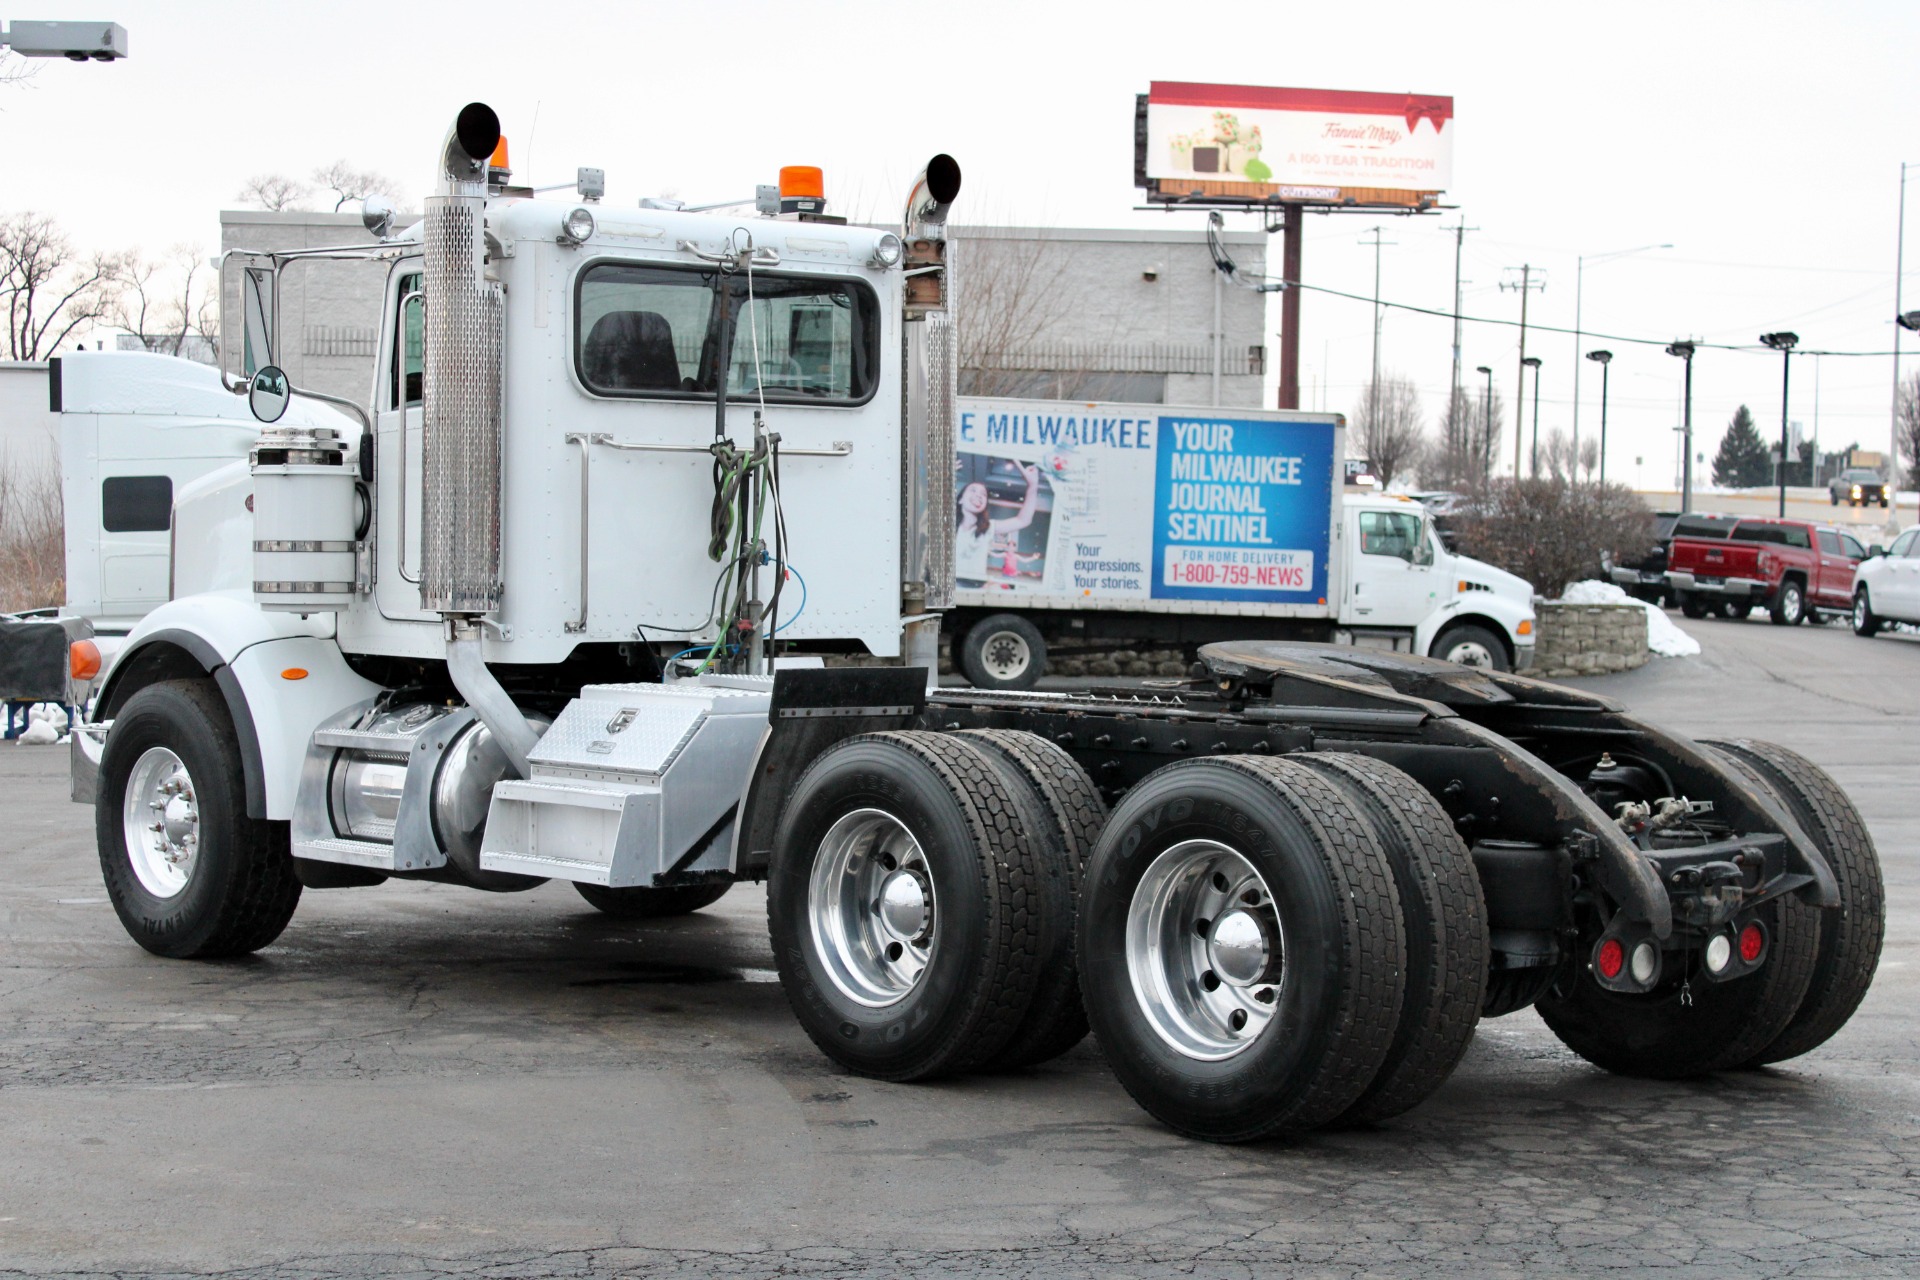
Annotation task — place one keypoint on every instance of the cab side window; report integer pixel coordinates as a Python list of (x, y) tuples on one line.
[(409, 344), (1829, 543), (1903, 545), (1851, 548), (1389, 533)]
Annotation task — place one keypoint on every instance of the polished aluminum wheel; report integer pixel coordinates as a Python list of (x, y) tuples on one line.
[(1205, 950), (870, 906), (161, 819)]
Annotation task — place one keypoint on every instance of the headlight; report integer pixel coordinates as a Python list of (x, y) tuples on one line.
[(887, 250), (578, 225)]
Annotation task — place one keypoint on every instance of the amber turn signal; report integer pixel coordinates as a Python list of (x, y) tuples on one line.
[(294, 673), (83, 659)]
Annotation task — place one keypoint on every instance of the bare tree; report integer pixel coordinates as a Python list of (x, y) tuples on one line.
[(350, 184), (1906, 424), (33, 563), (1462, 453), (166, 303), (1557, 455), (47, 291), (1387, 426), (16, 70), (1589, 456), (1014, 292), (274, 192)]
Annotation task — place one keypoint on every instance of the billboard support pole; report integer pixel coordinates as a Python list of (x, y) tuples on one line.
[(1290, 242)]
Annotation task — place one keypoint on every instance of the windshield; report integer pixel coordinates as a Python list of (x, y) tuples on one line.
[(654, 332)]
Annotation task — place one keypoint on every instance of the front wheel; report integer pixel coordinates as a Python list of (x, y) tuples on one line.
[(191, 876), (1472, 646), (1789, 605), (1865, 621), (1003, 651)]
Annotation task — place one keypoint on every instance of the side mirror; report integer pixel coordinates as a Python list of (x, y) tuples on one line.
[(1875, 550), (257, 285), (376, 215), (269, 394)]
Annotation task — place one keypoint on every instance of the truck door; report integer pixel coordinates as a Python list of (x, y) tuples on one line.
[(1835, 584), (398, 453), (1394, 583)]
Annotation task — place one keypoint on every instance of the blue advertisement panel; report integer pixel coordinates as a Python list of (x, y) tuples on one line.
[(1240, 509)]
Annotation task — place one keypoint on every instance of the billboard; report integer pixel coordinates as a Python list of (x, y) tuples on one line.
[(1316, 146), (1108, 505)]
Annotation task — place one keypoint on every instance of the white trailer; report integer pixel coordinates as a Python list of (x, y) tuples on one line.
[(538, 618), (1078, 524)]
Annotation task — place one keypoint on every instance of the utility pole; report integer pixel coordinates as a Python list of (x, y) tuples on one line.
[(1899, 270), (1453, 404), (1526, 284), (1373, 393)]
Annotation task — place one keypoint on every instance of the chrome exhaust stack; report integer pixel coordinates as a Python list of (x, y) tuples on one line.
[(460, 481), (927, 442)]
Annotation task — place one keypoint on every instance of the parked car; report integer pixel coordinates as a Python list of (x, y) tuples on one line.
[(1886, 585), (1857, 487), (1791, 567)]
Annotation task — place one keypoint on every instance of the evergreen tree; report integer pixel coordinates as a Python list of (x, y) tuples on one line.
[(1743, 461)]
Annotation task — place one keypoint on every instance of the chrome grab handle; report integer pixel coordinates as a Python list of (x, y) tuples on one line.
[(585, 440), (839, 448), (400, 481)]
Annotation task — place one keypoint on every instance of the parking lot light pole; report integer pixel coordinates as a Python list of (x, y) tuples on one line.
[(1603, 359), (1909, 320), (1486, 429), (1783, 343), (1684, 350), (1533, 465)]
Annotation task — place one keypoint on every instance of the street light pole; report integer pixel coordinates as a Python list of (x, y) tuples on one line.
[(1684, 350), (1603, 359), (1579, 270), (1784, 344), (1486, 429), (1533, 463), (1899, 272)]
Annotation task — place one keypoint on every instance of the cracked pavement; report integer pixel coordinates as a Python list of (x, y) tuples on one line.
[(423, 1082)]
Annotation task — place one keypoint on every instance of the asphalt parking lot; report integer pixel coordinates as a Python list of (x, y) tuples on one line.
[(427, 1082)]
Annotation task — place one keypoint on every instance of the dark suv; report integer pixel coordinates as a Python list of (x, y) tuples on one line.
[(1857, 487)]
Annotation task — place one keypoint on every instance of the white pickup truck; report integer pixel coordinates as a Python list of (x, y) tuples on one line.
[(1079, 524)]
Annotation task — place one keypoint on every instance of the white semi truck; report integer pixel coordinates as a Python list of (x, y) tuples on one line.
[(1079, 525), (542, 617)]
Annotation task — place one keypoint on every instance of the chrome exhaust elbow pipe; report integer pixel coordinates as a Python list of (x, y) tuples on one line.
[(932, 194), (489, 701)]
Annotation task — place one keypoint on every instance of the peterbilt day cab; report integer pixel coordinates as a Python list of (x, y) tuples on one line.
[(543, 618), (1788, 567)]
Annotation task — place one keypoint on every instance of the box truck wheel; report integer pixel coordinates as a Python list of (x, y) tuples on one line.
[(1850, 934), (900, 902), (1472, 646), (1003, 651), (1064, 815), (189, 873), (1445, 922), (1241, 953), (644, 902)]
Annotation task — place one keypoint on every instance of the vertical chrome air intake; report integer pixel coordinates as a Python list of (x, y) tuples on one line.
[(460, 484)]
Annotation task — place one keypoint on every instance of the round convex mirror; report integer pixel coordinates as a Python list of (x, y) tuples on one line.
[(269, 394)]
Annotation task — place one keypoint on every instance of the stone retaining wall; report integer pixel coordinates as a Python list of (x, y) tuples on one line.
[(1588, 639)]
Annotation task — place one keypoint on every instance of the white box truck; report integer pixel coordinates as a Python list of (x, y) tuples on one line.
[(1077, 524)]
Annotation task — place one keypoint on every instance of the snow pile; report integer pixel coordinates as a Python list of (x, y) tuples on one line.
[(1663, 638), (46, 725)]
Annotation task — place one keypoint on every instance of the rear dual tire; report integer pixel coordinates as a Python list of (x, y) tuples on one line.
[(1269, 946)]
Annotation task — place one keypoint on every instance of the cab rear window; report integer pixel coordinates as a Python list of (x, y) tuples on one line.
[(1783, 535), (649, 331)]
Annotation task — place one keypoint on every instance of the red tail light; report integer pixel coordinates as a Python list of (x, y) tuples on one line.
[(1612, 958), (1753, 941)]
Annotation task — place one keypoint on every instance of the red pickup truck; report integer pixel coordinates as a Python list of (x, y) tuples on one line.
[(1792, 567)]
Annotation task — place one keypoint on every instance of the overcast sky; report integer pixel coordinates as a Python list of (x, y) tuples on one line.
[(1762, 140)]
